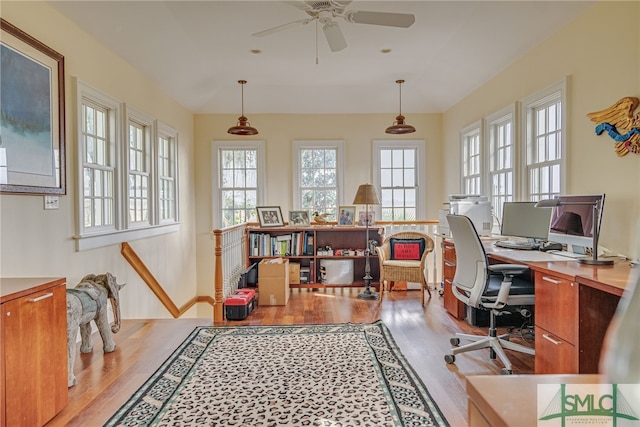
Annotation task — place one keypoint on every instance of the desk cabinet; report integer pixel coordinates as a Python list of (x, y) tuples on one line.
[(33, 350), (556, 327), (453, 305)]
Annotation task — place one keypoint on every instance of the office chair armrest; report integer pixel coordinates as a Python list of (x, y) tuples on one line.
[(508, 269)]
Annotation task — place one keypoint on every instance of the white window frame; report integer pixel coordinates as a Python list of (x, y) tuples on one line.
[(421, 175), (120, 231), (216, 147), (468, 132), (135, 116), (491, 124), (299, 145), (169, 133), (528, 107)]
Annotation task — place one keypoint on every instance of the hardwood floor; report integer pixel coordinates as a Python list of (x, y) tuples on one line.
[(106, 381)]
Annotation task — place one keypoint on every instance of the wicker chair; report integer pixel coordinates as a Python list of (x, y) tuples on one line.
[(399, 270)]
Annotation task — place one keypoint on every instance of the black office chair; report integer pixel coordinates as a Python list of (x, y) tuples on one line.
[(486, 287)]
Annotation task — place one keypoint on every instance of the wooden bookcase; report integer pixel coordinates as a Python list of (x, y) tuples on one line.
[(268, 243)]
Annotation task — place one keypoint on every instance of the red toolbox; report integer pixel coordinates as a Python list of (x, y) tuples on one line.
[(238, 305)]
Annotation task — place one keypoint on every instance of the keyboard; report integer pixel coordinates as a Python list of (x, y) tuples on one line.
[(516, 244), (567, 254)]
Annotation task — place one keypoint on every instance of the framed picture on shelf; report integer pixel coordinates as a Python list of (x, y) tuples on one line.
[(362, 218), (32, 151), (346, 215), (299, 219), (270, 216)]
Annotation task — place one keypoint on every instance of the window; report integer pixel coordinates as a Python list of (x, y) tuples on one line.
[(398, 177), (167, 173), (544, 135), (501, 140), (318, 176), (139, 168), (471, 160), (239, 175), (116, 171)]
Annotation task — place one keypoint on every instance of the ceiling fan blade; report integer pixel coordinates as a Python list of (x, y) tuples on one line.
[(334, 36), (403, 20), (282, 27)]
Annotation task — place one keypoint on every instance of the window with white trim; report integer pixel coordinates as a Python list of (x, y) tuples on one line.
[(471, 159), (544, 137), (318, 175), (139, 131), (399, 174), (500, 134), (167, 153), (239, 180), (116, 168)]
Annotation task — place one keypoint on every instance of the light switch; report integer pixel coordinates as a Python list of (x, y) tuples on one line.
[(51, 202)]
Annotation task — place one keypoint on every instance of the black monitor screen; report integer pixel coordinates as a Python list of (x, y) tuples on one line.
[(523, 219)]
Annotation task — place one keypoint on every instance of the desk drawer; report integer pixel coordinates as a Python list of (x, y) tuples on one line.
[(556, 308), (554, 355)]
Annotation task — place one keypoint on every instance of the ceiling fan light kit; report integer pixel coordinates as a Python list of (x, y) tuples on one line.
[(399, 127), (243, 127)]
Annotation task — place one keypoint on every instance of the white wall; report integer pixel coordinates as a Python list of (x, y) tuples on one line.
[(35, 242), (599, 52)]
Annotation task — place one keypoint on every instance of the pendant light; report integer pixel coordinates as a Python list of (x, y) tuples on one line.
[(243, 127), (399, 126)]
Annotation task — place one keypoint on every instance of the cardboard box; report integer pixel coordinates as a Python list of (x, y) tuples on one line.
[(273, 281), (294, 273)]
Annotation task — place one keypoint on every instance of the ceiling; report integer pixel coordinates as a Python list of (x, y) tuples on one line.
[(196, 51)]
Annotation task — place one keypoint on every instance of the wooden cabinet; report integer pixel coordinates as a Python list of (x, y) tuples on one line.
[(453, 305), (33, 350), (307, 246), (556, 326)]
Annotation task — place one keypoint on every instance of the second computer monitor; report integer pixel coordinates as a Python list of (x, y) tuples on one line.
[(523, 219)]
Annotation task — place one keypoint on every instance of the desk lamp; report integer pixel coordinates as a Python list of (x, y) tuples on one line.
[(367, 195), (550, 203)]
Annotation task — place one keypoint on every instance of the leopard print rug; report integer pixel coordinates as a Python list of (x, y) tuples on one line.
[(311, 375)]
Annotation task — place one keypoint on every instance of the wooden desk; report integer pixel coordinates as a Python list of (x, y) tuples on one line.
[(574, 306), (501, 401)]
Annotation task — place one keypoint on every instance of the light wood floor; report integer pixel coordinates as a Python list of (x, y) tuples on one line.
[(106, 381)]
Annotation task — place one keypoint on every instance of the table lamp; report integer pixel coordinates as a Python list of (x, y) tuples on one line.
[(367, 195), (550, 203)]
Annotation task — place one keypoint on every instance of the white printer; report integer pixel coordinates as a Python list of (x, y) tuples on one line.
[(476, 207)]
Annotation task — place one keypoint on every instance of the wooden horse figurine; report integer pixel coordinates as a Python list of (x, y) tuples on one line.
[(87, 302)]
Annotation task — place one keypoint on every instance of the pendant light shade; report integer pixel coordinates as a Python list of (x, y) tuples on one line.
[(399, 127), (243, 127)]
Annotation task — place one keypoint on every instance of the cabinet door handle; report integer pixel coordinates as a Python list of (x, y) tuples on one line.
[(549, 279), (41, 297), (548, 338)]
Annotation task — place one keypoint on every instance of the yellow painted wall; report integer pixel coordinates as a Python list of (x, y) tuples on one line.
[(600, 52), (35, 242)]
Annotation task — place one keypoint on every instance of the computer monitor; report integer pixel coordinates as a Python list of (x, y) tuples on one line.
[(523, 219), (572, 221)]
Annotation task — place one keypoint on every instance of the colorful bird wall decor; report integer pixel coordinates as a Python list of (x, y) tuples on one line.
[(621, 125)]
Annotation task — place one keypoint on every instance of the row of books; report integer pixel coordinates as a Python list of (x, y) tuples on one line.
[(293, 244)]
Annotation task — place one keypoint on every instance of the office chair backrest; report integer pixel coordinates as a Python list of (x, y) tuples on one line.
[(471, 261)]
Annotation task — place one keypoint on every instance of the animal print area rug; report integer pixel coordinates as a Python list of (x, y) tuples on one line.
[(310, 375)]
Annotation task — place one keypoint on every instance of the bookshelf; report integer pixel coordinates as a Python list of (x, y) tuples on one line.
[(306, 246)]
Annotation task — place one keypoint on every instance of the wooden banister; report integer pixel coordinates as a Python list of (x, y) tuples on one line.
[(144, 273)]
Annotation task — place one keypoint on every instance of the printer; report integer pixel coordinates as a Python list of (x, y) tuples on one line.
[(474, 206)]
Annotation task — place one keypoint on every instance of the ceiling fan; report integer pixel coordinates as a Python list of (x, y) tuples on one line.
[(324, 12)]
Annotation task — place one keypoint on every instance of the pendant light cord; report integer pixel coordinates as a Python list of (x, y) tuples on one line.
[(316, 41)]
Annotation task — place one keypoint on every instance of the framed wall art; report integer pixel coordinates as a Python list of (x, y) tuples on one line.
[(362, 218), (299, 219), (270, 216), (32, 146)]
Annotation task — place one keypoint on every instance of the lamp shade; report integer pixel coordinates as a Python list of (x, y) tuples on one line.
[(366, 195)]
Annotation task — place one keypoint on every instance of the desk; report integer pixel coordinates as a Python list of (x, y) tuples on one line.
[(574, 306), (493, 402)]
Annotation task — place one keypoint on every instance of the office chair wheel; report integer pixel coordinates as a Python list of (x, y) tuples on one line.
[(505, 371), (449, 358), (455, 342)]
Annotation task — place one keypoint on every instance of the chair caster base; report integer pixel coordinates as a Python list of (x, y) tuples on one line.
[(505, 371), (449, 358), (455, 342)]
